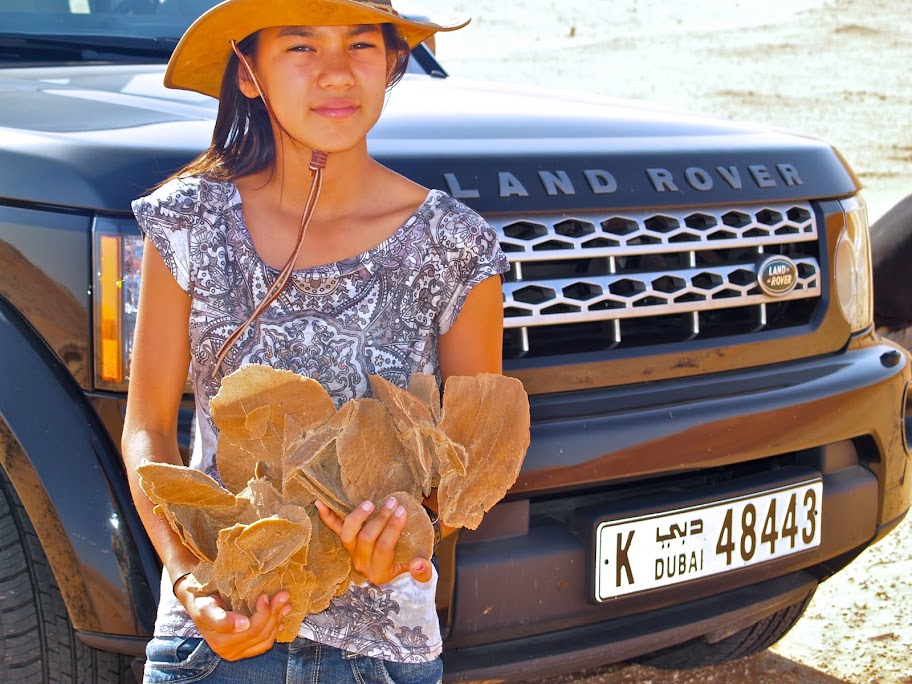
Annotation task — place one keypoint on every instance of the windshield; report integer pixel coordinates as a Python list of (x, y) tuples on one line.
[(166, 19), (144, 31)]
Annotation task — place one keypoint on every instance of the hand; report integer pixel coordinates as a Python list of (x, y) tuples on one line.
[(371, 541), (231, 635)]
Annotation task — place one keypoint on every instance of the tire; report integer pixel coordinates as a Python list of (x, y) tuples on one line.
[(891, 250), (701, 653), (37, 641)]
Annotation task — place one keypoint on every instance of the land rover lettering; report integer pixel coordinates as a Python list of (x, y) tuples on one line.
[(553, 182), (698, 178)]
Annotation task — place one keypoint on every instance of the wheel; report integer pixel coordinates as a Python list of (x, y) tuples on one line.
[(701, 653), (37, 642)]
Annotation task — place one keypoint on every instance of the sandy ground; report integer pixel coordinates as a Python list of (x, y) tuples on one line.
[(837, 69)]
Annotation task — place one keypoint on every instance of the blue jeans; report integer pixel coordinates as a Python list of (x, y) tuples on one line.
[(180, 660)]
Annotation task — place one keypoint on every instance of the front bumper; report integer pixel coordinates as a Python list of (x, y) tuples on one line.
[(593, 645), (588, 438)]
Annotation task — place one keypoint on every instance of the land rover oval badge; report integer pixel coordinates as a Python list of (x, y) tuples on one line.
[(777, 275)]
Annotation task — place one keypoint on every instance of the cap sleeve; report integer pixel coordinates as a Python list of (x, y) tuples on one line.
[(167, 217), (474, 255)]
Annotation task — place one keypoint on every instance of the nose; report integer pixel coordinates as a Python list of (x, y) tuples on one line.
[(336, 68)]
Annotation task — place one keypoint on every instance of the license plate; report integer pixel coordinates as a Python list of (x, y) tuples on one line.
[(662, 549)]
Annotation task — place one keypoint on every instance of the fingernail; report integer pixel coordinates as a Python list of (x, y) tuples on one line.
[(241, 624), (367, 506), (400, 512), (390, 503), (286, 611)]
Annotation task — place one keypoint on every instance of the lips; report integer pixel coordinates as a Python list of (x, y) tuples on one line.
[(336, 109)]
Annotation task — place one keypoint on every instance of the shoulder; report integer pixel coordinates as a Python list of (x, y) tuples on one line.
[(184, 197), (454, 224), (173, 191), (446, 206)]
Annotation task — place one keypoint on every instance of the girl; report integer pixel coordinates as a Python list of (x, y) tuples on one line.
[(286, 244)]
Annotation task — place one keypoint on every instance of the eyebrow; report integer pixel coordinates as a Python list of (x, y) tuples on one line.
[(308, 32)]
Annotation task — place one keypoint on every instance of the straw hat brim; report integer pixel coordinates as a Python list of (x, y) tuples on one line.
[(199, 60)]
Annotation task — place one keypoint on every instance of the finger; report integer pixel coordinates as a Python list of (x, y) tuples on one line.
[(265, 624), (246, 649), (259, 638), (384, 547), (280, 608), (279, 600), (259, 649), (352, 524), (421, 569), (266, 615), (329, 517), (374, 527), (212, 616), (256, 649)]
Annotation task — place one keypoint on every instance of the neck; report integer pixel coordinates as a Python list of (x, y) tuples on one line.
[(344, 178)]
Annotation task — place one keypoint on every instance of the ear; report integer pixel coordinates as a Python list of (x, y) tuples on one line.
[(244, 81), (391, 67)]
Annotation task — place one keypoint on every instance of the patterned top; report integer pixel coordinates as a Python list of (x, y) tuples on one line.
[(379, 312)]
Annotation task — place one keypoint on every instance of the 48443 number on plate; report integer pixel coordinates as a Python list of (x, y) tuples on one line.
[(660, 549)]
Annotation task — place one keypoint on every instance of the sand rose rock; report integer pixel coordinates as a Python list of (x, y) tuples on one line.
[(282, 445)]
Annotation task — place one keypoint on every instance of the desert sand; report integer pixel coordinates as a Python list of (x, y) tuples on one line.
[(836, 69)]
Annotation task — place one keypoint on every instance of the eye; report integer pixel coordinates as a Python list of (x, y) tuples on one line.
[(363, 46), (300, 48)]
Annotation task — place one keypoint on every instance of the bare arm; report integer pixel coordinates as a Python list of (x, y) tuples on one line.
[(474, 344), (158, 372)]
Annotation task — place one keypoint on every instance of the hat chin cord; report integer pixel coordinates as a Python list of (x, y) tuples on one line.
[(317, 166)]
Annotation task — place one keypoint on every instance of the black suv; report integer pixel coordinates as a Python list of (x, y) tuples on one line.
[(716, 426)]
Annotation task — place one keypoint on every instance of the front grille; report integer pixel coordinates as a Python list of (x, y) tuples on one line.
[(597, 281)]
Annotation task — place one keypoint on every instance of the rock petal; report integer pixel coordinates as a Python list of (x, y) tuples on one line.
[(425, 388), (235, 465), (253, 388), (487, 414), (372, 459)]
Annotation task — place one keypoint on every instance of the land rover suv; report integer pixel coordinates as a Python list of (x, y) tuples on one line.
[(716, 426)]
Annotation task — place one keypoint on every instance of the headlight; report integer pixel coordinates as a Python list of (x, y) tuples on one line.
[(117, 260), (852, 271)]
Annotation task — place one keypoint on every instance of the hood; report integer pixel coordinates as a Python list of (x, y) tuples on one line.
[(95, 137)]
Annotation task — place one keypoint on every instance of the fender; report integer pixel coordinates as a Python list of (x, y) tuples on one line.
[(52, 445)]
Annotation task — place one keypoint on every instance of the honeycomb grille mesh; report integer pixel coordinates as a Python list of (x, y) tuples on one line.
[(684, 274)]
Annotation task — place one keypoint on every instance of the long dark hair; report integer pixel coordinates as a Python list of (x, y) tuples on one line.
[(242, 141)]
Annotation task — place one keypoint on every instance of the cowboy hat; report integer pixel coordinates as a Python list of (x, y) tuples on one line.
[(199, 60)]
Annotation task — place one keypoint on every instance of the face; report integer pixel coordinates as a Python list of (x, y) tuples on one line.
[(326, 84)]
